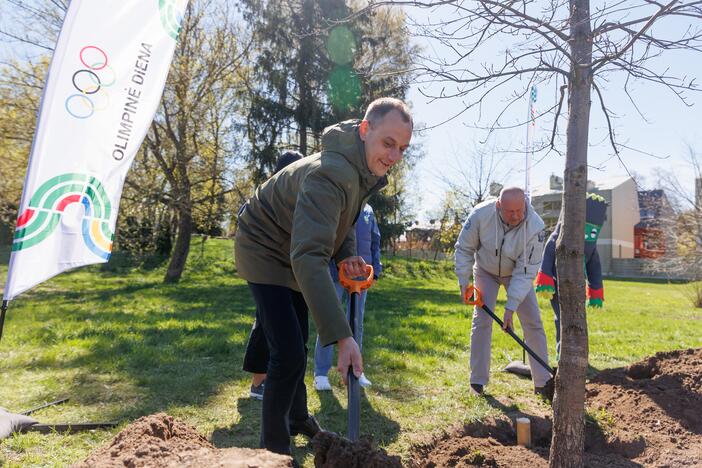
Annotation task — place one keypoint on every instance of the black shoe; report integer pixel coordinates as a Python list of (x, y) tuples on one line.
[(544, 392), (476, 389), (308, 428)]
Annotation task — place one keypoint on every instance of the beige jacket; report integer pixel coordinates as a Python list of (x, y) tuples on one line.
[(486, 242)]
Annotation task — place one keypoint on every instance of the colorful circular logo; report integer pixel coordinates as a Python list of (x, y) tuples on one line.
[(54, 199), (90, 82), (171, 17)]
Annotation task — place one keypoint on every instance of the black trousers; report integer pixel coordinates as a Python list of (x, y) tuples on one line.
[(256, 357), (282, 314)]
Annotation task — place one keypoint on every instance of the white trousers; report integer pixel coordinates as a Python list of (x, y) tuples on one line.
[(481, 330)]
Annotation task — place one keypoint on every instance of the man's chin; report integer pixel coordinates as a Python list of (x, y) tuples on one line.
[(380, 171)]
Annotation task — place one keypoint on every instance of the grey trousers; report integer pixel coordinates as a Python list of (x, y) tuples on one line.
[(481, 330)]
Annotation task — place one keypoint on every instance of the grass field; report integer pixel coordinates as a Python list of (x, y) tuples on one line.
[(121, 345)]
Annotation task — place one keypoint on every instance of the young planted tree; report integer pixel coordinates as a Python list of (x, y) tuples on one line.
[(581, 46)]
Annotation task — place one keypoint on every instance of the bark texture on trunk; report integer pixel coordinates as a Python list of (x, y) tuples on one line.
[(568, 440), (179, 255), (186, 224)]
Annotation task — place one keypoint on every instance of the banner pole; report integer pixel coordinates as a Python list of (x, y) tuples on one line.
[(3, 311)]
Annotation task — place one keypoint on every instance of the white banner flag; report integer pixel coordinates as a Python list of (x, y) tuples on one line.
[(102, 91)]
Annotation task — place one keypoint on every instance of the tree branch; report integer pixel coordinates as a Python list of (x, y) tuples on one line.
[(599, 63)]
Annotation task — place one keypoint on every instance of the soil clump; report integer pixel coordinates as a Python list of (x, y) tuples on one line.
[(160, 441), (646, 414)]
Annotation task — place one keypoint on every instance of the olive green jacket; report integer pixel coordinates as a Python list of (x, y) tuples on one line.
[(302, 217)]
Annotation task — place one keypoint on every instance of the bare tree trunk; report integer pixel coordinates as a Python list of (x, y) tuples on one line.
[(182, 245), (568, 441), (179, 256)]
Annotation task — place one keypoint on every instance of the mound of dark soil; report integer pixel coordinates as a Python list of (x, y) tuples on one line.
[(652, 416), (659, 401), (332, 451), (160, 440)]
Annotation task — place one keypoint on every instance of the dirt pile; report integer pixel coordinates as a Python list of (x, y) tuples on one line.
[(160, 440), (332, 451), (657, 401), (649, 413)]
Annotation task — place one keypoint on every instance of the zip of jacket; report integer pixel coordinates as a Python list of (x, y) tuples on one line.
[(499, 260), (531, 252)]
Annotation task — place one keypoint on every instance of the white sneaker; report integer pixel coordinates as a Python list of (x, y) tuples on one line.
[(321, 383), (364, 382)]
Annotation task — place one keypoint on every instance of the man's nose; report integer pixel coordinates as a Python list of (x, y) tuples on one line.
[(395, 155)]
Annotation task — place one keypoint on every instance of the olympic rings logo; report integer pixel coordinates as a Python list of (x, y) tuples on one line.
[(90, 83)]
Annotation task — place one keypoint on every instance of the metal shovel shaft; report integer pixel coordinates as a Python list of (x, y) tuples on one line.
[(45, 405), (354, 403), (520, 341)]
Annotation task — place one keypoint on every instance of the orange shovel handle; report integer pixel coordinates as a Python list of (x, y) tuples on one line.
[(356, 286), (473, 296)]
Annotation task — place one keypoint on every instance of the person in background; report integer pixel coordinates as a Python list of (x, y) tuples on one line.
[(368, 247), (256, 356), (501, 243), (547, 278)]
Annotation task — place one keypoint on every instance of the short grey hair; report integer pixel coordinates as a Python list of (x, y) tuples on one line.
[(379, 108), (512, 191)]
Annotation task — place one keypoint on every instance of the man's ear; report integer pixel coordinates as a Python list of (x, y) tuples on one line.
[(498, 204), (363, 129)]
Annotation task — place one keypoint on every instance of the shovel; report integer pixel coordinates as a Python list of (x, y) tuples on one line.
[(21, 422), (354, 287), (474, 297)]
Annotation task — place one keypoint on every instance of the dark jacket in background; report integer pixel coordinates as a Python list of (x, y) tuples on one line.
[(547, 279), (367, 243)]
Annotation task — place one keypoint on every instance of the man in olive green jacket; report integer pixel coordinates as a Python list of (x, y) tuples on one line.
[(288, 231)]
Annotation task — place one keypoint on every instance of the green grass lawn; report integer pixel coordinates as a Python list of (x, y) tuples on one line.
[(121, 345)]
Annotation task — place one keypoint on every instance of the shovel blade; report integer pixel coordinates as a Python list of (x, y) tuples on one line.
[(354, 404), (354, 408), (518, 368)]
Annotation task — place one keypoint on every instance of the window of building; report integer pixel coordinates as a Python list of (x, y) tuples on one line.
[(552, 205)]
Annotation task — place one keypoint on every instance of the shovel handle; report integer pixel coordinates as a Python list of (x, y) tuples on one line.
[(473, 296), (356, 286)]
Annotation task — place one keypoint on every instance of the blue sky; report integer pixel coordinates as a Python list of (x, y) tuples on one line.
[(668, 128)]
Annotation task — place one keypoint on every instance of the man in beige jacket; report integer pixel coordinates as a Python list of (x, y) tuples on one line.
[(501, 243)]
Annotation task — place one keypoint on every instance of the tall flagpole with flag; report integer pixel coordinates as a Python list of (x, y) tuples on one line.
[(529, 153), (102, 90)]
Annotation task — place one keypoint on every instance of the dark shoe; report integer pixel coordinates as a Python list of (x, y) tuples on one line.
[(541, 391), (476, 389), (308, 428), (257, 391), (545, 392)]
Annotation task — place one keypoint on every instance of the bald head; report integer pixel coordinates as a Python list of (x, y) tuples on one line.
[(511, 193), (512, 205)]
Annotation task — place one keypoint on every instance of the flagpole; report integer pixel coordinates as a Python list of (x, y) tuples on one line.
[(3, 311)]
